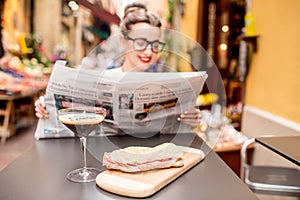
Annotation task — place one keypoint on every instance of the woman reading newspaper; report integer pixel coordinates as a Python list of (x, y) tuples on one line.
[(141, 35)]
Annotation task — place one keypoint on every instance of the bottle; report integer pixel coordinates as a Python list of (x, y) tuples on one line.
[(215, 124), (249, 24)]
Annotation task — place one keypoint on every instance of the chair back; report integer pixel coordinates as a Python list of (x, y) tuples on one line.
[(284, 181)]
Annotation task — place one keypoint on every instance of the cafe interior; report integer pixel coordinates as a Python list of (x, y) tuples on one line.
[(251, 92)]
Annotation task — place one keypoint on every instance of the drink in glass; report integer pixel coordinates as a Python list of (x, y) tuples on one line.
[(82, 121)]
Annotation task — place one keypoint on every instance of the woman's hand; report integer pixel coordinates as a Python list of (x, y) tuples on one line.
[(40, 108), (191, 117)]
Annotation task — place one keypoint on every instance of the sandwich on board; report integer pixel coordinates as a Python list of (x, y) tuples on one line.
[(138, 158)]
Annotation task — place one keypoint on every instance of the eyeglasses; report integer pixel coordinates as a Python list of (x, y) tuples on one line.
[(140, 44)]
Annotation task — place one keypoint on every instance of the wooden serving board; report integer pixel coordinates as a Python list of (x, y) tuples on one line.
[(144, 184)]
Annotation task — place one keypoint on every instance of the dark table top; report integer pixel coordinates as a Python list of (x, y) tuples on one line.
[(40, 173), (286, 146)]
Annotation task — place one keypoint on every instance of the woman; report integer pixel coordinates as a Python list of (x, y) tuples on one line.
[(141, 35)]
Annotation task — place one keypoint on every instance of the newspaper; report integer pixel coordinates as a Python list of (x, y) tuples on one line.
[(135, 102)]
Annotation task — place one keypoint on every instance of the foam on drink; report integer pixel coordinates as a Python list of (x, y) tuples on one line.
[(81, 123)]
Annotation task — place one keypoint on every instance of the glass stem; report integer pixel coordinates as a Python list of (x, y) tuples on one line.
[(83, 146)]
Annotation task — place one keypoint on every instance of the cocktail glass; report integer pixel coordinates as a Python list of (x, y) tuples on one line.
[(82, 121)]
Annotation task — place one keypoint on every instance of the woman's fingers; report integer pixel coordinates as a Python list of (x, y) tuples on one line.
[(39, 115), (42, 101), (40, 108), (191, 117)]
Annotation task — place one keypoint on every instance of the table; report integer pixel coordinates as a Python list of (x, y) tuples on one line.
[(40, 173), (286, 146)]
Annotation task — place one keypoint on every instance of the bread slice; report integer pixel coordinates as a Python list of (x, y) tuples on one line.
[(138, 158)]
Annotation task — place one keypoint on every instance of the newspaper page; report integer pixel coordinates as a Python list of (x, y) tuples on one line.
[(135, 102)]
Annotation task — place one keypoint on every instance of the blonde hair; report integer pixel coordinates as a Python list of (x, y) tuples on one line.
[(136, 13)]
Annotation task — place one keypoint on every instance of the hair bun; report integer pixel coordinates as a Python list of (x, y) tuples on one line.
[(130, 8)]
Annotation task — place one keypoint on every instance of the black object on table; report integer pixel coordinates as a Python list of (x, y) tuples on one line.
[(286, 146)]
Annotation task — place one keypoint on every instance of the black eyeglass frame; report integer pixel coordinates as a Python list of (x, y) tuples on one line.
[(148, 42)]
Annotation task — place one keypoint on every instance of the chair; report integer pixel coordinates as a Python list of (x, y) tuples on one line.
[(272, 180)]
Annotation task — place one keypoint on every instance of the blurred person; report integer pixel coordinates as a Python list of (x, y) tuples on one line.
[(141, 33)]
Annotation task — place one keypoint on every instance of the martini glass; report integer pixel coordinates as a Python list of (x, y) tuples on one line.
[(82, 121)]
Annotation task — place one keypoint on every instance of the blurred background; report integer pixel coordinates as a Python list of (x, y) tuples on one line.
[(259, 67)]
